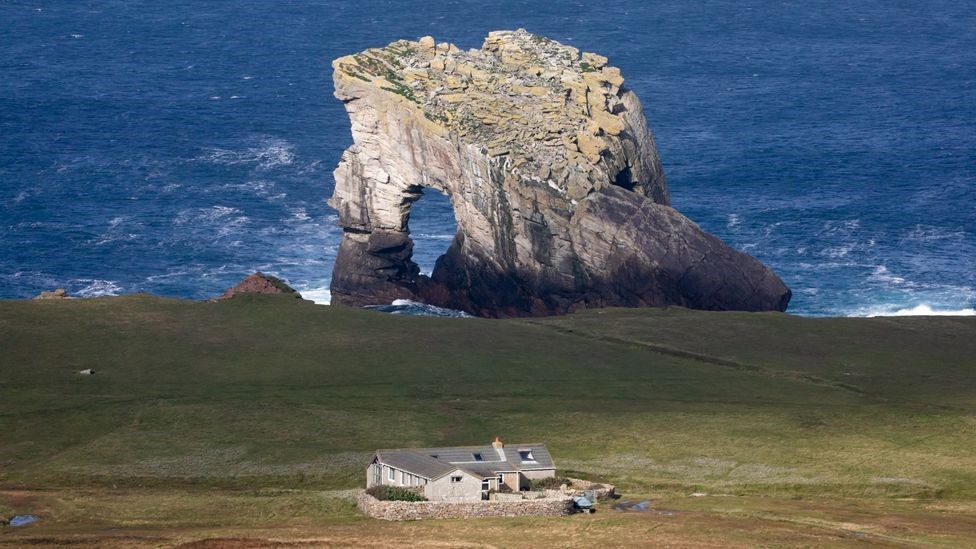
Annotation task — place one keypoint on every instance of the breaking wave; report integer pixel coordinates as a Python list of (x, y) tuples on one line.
[(414, 308), (319, 296), (919, 310)]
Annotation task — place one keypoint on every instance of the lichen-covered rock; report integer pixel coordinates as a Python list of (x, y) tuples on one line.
[(260, 283), (59, 293), (558, 191)]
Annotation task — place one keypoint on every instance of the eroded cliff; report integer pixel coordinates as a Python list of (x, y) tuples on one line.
[(556, 184)]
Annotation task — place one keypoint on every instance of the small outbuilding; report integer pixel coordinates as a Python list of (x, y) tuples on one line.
[(461, 473)]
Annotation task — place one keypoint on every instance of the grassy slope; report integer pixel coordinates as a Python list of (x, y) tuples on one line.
[(262, 391)]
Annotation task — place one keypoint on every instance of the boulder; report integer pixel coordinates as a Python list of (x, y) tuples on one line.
[(60, 293), (558, 191)]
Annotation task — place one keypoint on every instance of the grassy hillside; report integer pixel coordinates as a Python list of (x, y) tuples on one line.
[(264, 392)]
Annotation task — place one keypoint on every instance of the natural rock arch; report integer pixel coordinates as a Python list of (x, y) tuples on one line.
[(554, 177)]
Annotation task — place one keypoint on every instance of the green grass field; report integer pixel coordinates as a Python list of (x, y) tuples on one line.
[(262, 411)]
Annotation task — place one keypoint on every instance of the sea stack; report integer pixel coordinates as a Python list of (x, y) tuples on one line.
[(560, 199)]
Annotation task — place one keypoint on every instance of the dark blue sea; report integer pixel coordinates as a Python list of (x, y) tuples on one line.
[(174, 147)]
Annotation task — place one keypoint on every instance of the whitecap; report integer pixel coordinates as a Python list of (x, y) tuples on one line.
[(881, 274), (733, 221)]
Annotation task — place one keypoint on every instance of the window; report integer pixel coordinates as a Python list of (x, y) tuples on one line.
[(526, 455), (392, 474), (477, 457), (501, 480), (456, 479)]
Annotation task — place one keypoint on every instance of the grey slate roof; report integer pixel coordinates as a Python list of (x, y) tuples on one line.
[(434, 463), (414, 462)]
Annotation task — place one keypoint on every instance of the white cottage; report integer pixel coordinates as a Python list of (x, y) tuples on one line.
[(464, 473)]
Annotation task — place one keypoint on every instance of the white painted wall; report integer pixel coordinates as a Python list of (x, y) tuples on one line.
[(444, 489)]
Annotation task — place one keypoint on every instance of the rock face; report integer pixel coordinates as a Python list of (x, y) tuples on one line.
[(260, 283), (560, 199)]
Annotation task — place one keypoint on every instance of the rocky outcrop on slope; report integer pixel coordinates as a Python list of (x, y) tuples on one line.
[(59, 293), (260, 283), (555, 180)]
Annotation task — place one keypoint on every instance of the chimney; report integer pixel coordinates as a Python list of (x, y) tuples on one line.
[(498, 444)]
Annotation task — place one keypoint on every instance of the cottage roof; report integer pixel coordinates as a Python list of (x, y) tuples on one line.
[(415, 462), (482, 461)]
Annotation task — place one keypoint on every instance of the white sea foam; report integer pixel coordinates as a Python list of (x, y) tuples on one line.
[(97, 288), (259, 187), (930, 233), (415, 308), (118, 237), (835, 252), (269, 153), (319, 296), (844, 226), (426, 236), (918, 310), (733, 220), (881, 274)]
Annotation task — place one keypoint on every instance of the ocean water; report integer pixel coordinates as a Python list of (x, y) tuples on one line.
[(174, 147)]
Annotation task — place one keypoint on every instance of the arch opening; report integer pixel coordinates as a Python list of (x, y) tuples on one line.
[(431, 225)]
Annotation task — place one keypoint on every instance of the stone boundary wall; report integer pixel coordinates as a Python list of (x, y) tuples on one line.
[(418, 510)]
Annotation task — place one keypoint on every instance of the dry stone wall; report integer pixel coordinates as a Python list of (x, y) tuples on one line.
[(419, 510)]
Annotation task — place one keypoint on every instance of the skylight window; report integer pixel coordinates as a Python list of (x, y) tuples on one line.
[(477, 457), (526, 455)]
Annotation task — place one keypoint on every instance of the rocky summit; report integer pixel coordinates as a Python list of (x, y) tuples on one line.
[(560, 199)]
